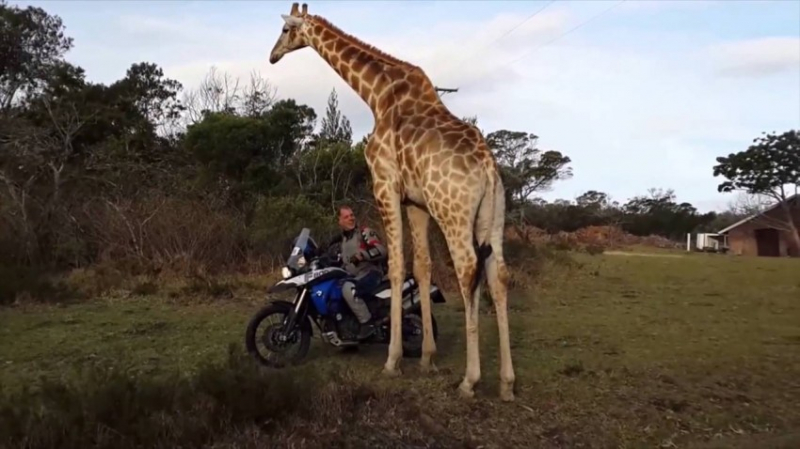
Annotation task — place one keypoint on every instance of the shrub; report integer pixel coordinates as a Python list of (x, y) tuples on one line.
[(277, 220), (19, 282), (109, 406)]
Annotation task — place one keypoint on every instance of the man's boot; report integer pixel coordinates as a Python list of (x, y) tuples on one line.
[(361, 311), (366, 329)]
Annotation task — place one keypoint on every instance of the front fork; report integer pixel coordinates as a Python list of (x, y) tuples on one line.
[(298, 312)]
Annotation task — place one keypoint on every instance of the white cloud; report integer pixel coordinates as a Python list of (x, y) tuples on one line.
[(630, 119), (758, 57)]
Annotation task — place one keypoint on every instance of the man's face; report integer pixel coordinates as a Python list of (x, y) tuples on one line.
[(347, 220)]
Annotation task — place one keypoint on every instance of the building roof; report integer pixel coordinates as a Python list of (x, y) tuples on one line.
[(751, 217)]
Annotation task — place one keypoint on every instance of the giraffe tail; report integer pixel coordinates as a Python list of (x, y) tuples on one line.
[(483, 228)]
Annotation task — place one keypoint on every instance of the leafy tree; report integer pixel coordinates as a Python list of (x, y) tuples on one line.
[(525, 168), (152, 96), (252, 153), (659, 213), (32, 46), (335, 126), (770, 166)]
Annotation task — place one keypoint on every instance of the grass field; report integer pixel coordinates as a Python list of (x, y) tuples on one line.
[(620, 350)]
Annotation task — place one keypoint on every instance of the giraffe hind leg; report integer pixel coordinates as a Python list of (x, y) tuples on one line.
[(465, 262), (497, 278)]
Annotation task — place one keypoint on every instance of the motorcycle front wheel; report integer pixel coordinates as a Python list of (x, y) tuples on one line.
[(275, 339)]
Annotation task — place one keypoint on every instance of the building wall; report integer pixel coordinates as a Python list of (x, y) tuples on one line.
[(742, 239)]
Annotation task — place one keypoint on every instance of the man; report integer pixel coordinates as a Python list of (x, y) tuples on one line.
[(362, 255)]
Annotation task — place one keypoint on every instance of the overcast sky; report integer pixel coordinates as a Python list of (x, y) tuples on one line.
[(645, 95)]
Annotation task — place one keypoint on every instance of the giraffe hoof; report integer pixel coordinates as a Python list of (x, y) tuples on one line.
[(391, 372), (507, 390), (428, 368), (466, 391), (506, 395)]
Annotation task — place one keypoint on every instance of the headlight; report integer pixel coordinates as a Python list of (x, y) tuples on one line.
[(286, 272), (301, 262)]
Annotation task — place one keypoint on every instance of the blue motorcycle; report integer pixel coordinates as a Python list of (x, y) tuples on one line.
[(316, 277)]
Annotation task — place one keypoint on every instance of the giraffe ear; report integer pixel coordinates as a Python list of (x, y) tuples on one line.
[(292, 21)]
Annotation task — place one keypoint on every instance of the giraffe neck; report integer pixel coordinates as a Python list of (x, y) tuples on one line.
[(360, 65)]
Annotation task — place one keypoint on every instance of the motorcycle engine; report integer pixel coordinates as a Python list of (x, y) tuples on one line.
[(348, 327)]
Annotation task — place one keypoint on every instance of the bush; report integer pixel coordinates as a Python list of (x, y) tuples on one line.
[(95, 281), (108, 406), (19, 282), (277, 220), (149, 235)]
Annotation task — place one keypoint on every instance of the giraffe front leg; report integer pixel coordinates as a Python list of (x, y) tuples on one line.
[(389, 205), (418, 222)]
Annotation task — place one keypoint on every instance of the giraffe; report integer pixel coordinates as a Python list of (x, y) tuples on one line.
[(423, 158)]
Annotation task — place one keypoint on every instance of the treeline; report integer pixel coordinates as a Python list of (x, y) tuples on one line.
[(656, 213), (150, 175)]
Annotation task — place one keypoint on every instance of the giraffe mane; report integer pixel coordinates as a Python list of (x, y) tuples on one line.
[(371, 48)]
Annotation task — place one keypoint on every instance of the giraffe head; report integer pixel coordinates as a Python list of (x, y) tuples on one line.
[(293, 34)]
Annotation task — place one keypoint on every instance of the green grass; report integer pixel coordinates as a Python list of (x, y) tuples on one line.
[(620, 351)]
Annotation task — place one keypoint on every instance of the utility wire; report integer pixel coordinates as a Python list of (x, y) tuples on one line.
[(596, 16), (505, 34), (520, 24)]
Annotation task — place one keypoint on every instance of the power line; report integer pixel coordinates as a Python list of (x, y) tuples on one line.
[(505, 34), (596, 16), (520, 24)]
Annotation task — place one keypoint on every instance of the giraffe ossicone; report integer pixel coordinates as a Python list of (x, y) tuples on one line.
[(423, 158)]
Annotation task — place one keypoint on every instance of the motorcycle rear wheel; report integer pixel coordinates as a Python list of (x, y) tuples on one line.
[(414, 321), (301, 334)]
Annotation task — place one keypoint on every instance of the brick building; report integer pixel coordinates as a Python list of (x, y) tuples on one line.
[(763, 234)]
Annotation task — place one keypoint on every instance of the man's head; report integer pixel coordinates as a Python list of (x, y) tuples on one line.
[(347, 219), (293, 34)]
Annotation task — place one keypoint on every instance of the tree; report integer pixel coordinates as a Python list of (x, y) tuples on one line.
[(770, 166), (659, 213), (151, 95), (32, 45), (335, 126), (251, 153), (222, 93), (525, 168)]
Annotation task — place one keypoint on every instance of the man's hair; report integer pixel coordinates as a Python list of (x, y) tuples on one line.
[(343, 207)]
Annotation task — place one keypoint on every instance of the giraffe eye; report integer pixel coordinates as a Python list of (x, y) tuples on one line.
[(285, 30)]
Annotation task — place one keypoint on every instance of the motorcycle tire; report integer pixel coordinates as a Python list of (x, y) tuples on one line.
[(416, 350), (252, 326)]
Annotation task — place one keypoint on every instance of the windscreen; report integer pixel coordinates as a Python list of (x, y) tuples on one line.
[(299, 245)]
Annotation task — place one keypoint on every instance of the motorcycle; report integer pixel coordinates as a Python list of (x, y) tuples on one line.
[(317, 278)]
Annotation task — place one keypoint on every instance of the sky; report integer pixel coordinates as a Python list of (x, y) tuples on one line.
[(638, 94)]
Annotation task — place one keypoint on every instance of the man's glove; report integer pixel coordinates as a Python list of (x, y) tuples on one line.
[(356, 258)]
